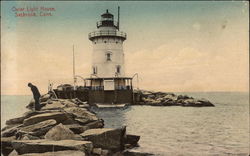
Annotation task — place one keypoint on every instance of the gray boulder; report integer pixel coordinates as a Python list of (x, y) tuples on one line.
[(10, 131), (184, 97), (61, 132), (38, 129), (6, 147), (78, 128), (135, 153), (14, 121), (13, 153), (68, 103), (29, 137), (77, 101), (10, 126), (205, 102), (58, 116), (58, 153), (95, 124), (19, 120), (171, 97), (97, 151), (132, 139), (101, 152), (82, 115), (45, 97), (32, 113), (55, 105), (31, 104), (196, 103), (106, 138), (41, 146)]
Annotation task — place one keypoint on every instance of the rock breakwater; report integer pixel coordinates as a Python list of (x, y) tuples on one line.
[(64, 127), (169, 99)]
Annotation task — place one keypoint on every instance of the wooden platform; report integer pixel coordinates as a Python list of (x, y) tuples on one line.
[(99, 105)]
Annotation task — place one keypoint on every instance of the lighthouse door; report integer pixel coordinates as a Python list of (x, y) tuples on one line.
[(109, 87), (109, 97)]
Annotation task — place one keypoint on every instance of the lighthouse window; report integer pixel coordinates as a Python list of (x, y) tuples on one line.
[(118, 69), (94, 70), (108, 55)]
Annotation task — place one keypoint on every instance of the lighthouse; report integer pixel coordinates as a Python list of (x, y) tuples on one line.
[(108, 55), (108, 82)]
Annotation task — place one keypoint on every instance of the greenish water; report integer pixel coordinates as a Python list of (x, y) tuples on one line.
[(219, 130), (13, 106)]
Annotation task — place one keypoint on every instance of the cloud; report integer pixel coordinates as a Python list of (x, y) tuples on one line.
[(207, 52), (186, 65)]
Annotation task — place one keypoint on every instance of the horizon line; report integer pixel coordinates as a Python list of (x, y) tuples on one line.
[(152, 91)]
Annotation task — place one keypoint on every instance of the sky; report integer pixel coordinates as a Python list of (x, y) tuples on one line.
[(184, 46)]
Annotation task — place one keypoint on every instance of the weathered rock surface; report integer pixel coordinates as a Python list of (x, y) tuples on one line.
[(133, 153), (10, 131), (101, 152), (32, 113), (45, 97), (13, 153), (58, 153), (14, 121), (77, 101), (83, 116), (68, 102), (28, 137), (6, 147), (106, 138), (58, 116), (31, 104), (9, 126), (79, 128), (60, 132), (132, 139), (53, 105), (56, 127), (41, 146), (38, 129), (43, 101), (169, 99), (76, 128), (95, 124)]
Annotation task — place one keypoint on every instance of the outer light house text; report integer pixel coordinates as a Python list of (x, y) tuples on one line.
[(29, 11)]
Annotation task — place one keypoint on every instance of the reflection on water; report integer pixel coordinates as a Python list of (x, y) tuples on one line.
[(114, 117)]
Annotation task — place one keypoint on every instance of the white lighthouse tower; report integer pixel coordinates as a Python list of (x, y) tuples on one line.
[(108, 78), (108, 55)]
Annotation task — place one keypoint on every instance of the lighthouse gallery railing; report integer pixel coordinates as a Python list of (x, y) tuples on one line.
[(107, 33)]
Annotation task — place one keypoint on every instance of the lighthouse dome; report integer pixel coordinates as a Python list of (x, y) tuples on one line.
[(107, 20), (107, 15)]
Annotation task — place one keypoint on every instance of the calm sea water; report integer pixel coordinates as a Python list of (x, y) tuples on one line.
[(220, 130), (13, 106)]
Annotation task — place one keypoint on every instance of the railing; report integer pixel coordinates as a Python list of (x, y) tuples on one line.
[(116, 87), (107, 33)]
